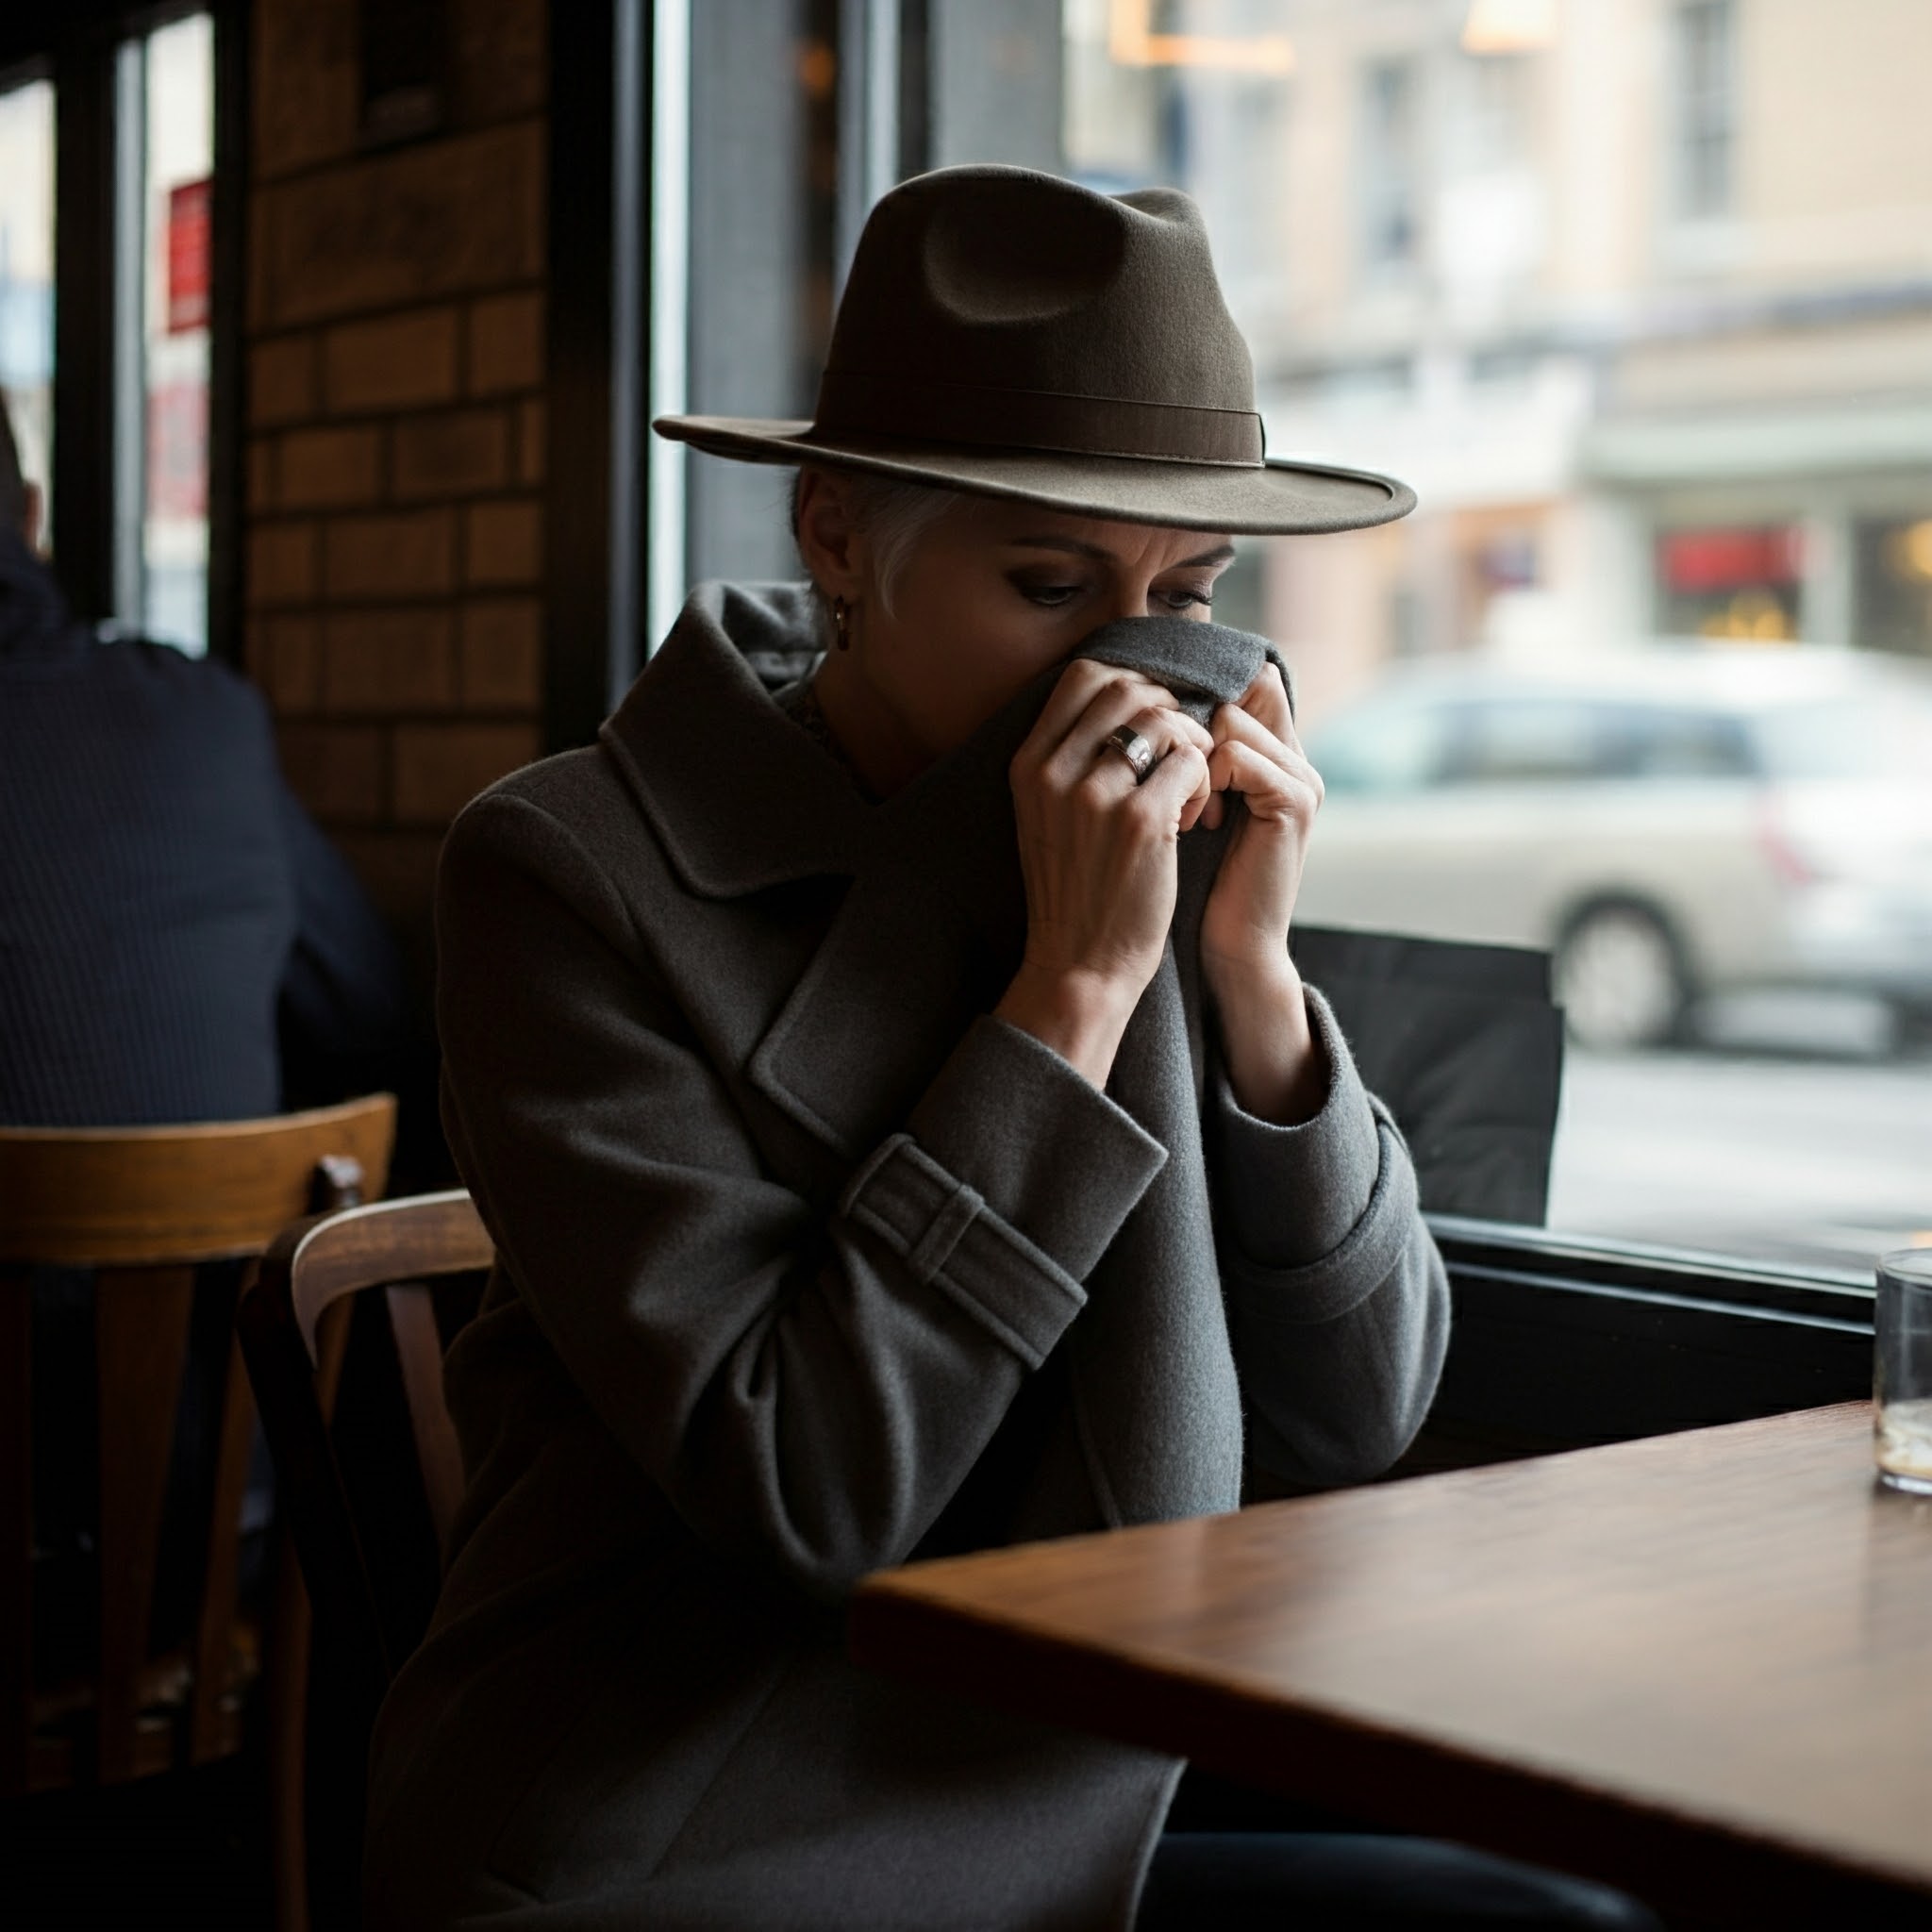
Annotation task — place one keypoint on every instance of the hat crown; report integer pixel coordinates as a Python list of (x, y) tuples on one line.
[(1010, 334), (1003, 279)]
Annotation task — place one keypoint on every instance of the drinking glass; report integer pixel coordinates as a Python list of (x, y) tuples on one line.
[(1902, 1384)]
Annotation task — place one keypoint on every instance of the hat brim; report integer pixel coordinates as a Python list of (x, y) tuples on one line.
[(1278, 499)]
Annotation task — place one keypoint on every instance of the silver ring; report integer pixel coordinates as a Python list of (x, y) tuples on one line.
[(1134, 748)]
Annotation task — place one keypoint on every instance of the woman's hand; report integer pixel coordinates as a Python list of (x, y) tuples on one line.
[(1273, 1063), (1097, 851)]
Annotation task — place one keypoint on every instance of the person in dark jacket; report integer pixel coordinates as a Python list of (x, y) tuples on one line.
[(173, 926)]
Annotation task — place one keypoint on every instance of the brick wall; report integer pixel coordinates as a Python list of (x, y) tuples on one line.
[(395, 424)]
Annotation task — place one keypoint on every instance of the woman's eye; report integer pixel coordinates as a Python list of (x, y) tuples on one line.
[(1048, 596), (1181, 599)]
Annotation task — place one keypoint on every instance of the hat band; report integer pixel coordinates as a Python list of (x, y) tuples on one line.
[(906, 408)]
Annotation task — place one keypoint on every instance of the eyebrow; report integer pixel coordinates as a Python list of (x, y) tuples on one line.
[(1221, 553)]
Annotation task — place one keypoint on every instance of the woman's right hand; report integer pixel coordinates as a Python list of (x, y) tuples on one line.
[(1098, 854)]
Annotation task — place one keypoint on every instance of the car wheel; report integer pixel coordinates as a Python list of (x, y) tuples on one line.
[(1619, 979)]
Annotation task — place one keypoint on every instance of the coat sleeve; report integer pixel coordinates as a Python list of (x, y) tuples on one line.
[(807, 1383), (1338, 1303)]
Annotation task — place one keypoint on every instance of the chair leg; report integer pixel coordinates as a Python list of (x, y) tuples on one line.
[(287, 1739)]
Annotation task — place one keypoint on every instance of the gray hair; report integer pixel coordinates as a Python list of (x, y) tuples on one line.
[(893, 515)]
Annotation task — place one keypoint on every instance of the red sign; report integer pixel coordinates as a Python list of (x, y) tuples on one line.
[(189, 254), (1733, 559)]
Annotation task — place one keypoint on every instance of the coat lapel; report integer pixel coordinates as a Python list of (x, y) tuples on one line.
[(928, 936), (742, 801), (738, 797)]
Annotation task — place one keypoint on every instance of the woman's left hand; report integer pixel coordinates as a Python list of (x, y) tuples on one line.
[(1272, 1061)]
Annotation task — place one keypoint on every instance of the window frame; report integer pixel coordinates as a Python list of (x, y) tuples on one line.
[(87, 468), (1564, 1339)]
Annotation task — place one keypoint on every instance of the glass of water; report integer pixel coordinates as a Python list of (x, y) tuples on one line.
[(1903, 1381)]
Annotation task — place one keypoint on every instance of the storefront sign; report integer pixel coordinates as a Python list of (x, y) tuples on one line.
[(1730, 559), (189, 251)]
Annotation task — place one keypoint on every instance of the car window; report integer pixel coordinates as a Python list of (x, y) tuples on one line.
[(1658, 741), (1381, 748), (1527, 740)]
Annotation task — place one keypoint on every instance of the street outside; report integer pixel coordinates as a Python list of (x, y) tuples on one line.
[(1811, 1148)]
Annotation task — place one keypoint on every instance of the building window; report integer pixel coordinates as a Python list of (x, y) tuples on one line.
[(1706, 131), (27, 279), (1389, 164), (1893, 585), (1488, 128)]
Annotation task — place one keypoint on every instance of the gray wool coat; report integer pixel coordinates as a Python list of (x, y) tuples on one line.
[(808, 1265)]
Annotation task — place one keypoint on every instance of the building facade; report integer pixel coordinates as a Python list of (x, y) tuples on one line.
[(1637, 292)]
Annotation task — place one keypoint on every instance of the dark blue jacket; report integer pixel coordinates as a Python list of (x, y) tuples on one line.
[(170, 917)]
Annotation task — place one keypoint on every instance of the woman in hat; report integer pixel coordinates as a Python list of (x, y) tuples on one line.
[(881, 1067)]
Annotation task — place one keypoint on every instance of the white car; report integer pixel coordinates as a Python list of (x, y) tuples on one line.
[(1669, 822)]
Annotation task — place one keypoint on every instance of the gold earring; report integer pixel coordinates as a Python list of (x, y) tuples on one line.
[(842, 623)]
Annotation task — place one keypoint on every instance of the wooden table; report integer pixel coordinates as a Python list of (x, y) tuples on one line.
[(1699, 1666)]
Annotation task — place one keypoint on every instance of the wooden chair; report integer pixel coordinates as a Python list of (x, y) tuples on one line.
[(144, 1207), (294, 1338)]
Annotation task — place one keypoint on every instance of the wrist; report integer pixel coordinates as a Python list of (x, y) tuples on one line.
[(1266, 976), (1274, 1061), (1080, 1015)]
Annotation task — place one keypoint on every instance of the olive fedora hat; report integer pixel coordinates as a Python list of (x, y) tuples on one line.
[(1011, 334)]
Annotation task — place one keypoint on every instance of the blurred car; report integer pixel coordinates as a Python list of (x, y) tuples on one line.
[(1668, 822)]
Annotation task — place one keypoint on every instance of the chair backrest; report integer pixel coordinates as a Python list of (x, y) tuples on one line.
[(295, 1358), (143, 1208)]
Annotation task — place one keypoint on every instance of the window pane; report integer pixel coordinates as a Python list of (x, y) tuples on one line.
[(1704, 109), (27, 279), (177, 163), (1388, 163), (763, 188)]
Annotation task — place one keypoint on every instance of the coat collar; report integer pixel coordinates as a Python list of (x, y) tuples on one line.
[(738, 797)]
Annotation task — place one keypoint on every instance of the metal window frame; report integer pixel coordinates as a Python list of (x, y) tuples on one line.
[(1564, 1339), (614, 347), (620, 214)]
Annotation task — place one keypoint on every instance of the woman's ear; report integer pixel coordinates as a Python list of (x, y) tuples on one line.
[(828, 538)]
